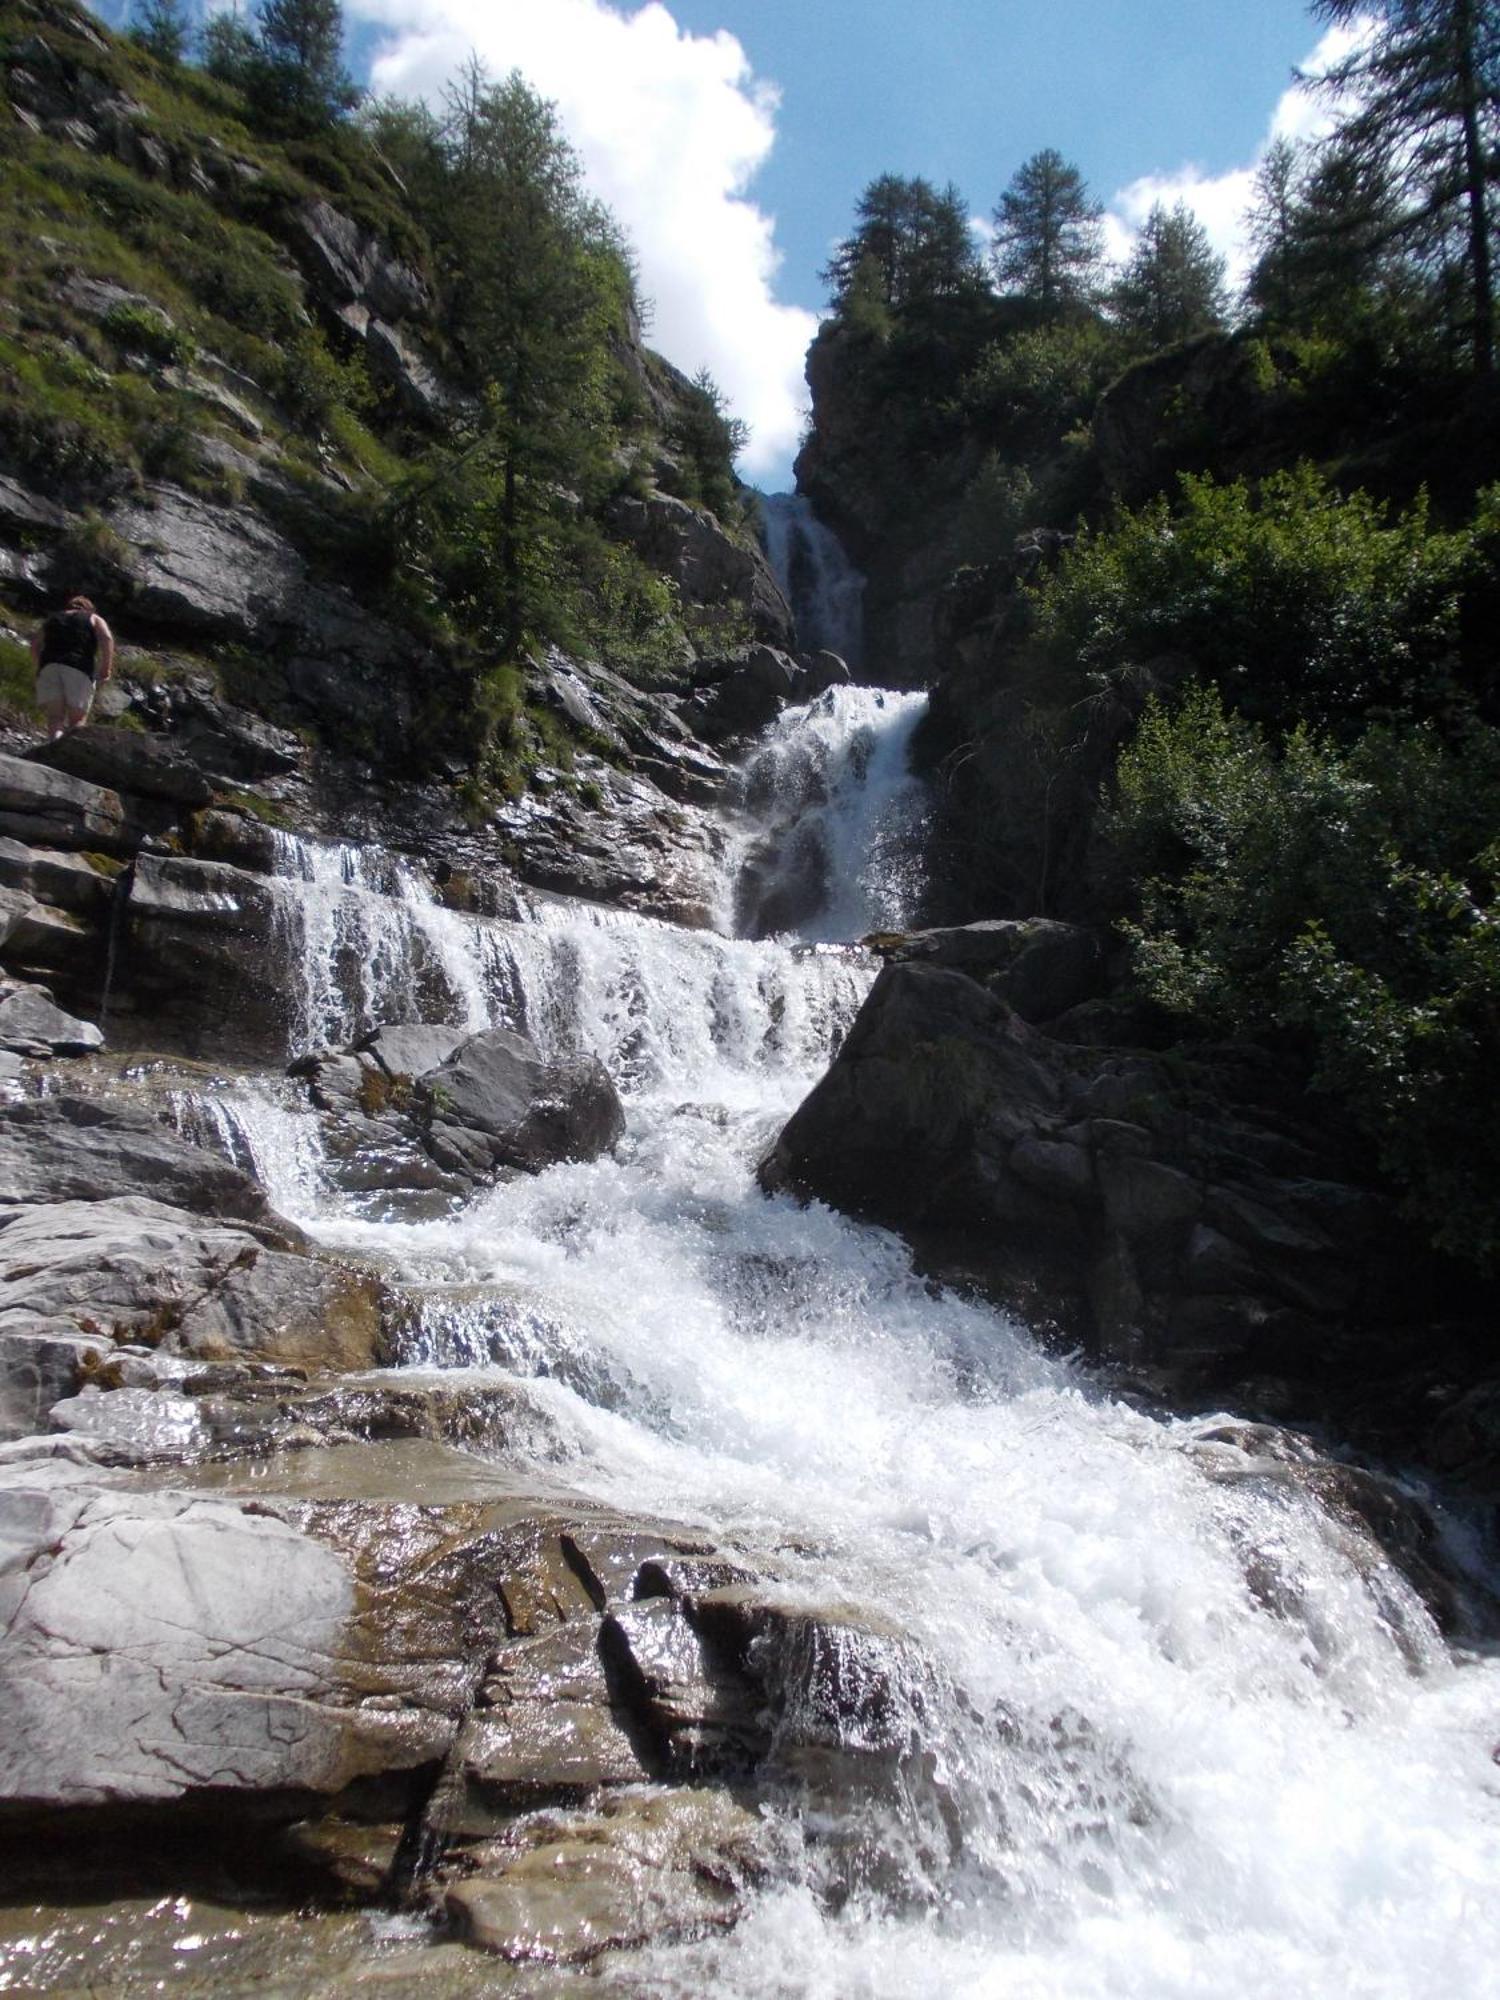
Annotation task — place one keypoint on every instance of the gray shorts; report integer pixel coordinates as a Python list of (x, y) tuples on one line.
[(58, 686)]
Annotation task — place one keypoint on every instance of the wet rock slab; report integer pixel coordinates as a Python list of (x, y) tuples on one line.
[(364, 1643)]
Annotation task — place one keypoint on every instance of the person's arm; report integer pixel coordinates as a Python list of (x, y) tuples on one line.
[(106, 648)]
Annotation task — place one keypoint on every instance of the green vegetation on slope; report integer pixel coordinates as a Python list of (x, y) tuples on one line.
[(157, 323)]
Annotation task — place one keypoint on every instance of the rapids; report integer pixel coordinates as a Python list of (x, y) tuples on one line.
[(1154, 1773)]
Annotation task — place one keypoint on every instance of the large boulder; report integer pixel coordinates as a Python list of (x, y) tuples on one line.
[(133, 1270), (1191, 1217), (53, 809), (32, 1025), (497, 1101), (1041, 967)]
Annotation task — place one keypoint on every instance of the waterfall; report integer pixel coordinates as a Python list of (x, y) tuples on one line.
[(835, 819), (1188, 1733), (824, 589)]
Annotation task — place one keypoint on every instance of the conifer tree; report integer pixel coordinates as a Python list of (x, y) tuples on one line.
[(913, 242), (1426, 90), (1342, 249), (539, 278), (1048, 234), (300, 46), (1173, 285), (1273, 231), (163, 28)]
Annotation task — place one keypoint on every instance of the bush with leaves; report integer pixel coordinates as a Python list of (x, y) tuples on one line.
[(1349, 897), (1302, 603), (1031, 389)]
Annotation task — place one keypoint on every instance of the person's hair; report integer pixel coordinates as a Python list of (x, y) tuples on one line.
[(79, 603)]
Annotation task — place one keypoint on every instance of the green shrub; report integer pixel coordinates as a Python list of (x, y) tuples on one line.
[(1298, 601), (1034, 387), (145, 330), (17, 680), (1347, 895)]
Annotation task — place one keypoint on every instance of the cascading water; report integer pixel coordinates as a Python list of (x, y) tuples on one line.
[(1185, 1737), (824, 589), (833, 843)]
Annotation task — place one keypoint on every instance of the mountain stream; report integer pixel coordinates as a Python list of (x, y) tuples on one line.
[(1146, 1770)]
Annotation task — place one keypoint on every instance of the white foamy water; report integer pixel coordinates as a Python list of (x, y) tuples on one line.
[(1189, 1737), (830, 842)]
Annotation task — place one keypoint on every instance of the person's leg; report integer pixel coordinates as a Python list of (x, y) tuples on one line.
[(65, 696), (52, 700)]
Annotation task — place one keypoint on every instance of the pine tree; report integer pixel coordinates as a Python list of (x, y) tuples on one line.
[(540, 278), (1342, 251), (1173, 285), (1273, 231), (163, 28), (1426, 86), (300, 45), (1048, 234), (911, 242), (228, 49)]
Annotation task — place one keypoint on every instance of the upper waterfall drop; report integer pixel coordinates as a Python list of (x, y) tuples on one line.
[(820, 583)]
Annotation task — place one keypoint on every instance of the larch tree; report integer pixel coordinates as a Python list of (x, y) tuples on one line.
[(1425, 89), (1049, 236), (539, 277), (910, 242), (1272, 220), (1173, 284), (163, 28), (300, 45)]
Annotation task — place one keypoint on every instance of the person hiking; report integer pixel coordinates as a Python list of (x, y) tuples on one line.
[(72, 650)]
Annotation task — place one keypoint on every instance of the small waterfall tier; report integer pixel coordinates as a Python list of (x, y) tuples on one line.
[(824, 589)]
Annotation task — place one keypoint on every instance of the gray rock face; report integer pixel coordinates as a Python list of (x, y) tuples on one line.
[(279, 1635), (497, 1102), (214, 572), (637, 848), (201, 950), (1042, 968), (134, 1270), (66, 1148), (712, 570), (30, 1025), (220, 573), (1203, 1233), (348, 266), (400, 362), (176, 1644), (216, 735), (742, 694), (124, 760)]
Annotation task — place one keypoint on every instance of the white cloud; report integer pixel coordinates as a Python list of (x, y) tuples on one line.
[(1220, 201), (671, 128)]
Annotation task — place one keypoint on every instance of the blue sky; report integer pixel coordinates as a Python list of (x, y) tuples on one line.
[(732, 137), (968, 89)]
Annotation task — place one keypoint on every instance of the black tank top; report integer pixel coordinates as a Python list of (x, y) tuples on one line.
[(69, 640)]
